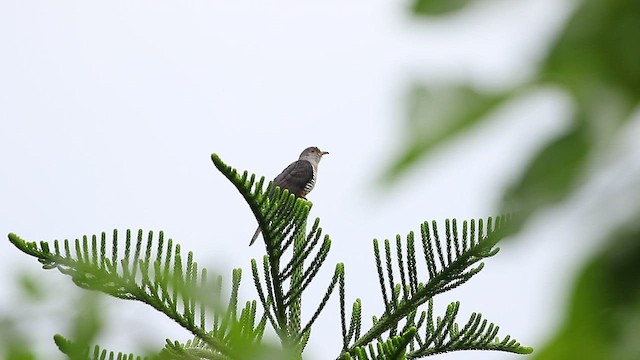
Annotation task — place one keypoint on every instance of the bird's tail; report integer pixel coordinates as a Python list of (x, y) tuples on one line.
[(255, 236)]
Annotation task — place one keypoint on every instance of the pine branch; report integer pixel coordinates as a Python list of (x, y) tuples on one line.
[(477, 334), (447, 267), (79, 352), (275, 213), (295, 305), (158, 278), (155, 272), (338, 274), (292, 254), (392, 349), (355, 323)]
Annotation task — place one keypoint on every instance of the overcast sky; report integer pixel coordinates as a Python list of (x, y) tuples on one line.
[(109, 113)]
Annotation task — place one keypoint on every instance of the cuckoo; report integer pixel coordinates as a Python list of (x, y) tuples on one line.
[(299, 177)]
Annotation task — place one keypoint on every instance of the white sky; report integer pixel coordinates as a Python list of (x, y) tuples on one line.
[(109, 112)]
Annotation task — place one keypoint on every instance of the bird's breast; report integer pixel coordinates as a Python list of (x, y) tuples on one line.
[(309, 186)]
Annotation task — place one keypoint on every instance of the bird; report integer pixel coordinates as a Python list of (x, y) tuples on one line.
[(299, 177)]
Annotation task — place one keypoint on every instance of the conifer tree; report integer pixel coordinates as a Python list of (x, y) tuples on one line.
[(148, 267)]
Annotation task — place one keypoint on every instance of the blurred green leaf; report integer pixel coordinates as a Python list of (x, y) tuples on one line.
[(14, 344), (600, 45), (31, 286), (603, 319), (19, 351), (88, 321), (437, 115), (552, 174), (438, 7), (596, 58)]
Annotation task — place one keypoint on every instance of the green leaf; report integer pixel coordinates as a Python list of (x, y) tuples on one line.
[(15, 346), (438, 7), (32, 286), (603, 317), (599, 46), (435, 116), (551, 175)]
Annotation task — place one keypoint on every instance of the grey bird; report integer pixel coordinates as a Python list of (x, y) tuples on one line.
[(299, 177)]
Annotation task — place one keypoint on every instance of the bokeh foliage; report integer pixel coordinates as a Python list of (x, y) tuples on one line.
[(603, 319), (595, 61)]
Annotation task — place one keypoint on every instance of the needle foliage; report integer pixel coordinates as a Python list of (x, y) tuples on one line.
[(146, 266)]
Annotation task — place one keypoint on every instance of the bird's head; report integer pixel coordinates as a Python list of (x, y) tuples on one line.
[(312, 154)]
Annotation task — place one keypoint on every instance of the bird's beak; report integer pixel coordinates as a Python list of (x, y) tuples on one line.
[(325, 153)]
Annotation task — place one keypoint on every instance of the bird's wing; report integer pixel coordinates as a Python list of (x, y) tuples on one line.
[(295, 177)]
